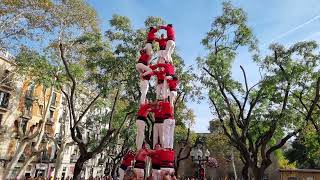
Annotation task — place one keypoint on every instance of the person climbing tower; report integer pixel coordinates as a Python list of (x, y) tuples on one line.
[(143, 67), (170, 82), (170, 42), (151, 36), (158, 136), (142, 114), (156, 163), (125, 163), (168, 125), (162, 41), (140, 162)]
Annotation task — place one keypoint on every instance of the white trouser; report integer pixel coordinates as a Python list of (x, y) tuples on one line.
[(121, 174), (139, 173), (170, 170), (165, 88), (168, 131), (158, 133), (140, 133), (156, 174), (162, 54), (169, 49), (149, 49), (144, 86), (159, 91), (173, 96), (141, 68)]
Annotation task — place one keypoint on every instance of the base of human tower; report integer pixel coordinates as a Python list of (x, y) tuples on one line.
[(153, 164)]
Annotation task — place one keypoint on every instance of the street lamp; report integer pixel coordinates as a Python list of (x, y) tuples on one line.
[(200, 155)]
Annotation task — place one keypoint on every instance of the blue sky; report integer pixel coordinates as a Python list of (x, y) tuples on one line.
[(283, 21)]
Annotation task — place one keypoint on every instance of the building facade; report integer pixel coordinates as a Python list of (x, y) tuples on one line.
[(22, 106)]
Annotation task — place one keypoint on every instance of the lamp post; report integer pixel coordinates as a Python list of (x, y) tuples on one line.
[(200, 155)]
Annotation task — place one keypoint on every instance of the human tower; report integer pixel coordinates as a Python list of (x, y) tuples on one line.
[(162, 154)]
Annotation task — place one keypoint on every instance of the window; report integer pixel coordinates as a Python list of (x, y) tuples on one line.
[(28, 110), (23, 125), (53, 99), (41, 109), (4, 99), (6, 77), (30, 90), (51, 116)]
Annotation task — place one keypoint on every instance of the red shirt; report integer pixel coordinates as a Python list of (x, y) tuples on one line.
[(151, 35), (155, 158), (158, 115), (173, 84), (144, 58), (144, 110), (162, 43), (170, 32), (166, 158), (167, 110), (160, 75), (128, 158), (168, 68)]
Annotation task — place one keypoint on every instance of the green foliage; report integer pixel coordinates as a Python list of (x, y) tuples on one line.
[(257, 119), (45, 19), (35, 67), (305, 151)]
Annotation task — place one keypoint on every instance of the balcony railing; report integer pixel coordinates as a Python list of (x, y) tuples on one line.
[(27, 113), (44, 158)]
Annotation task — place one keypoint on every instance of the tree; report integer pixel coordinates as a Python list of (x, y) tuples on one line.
[(259, 119), (21, 19), (127, 42), (305, 150), (98, 76), (184, 140), (32, 21), (40, 72), (219, 145)]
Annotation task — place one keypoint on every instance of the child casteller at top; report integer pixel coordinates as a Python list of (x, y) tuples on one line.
[(168, 42)]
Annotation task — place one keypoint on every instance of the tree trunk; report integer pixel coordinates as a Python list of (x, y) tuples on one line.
[(258, 173), (41, 134), (8, 171), (58, 167), (24, 166), (245, 172), (78, 167), (114, 171), (176, 169), (233, 165)]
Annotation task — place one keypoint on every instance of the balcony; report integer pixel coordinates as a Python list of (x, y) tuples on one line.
[(6, 85), (26, 114)]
